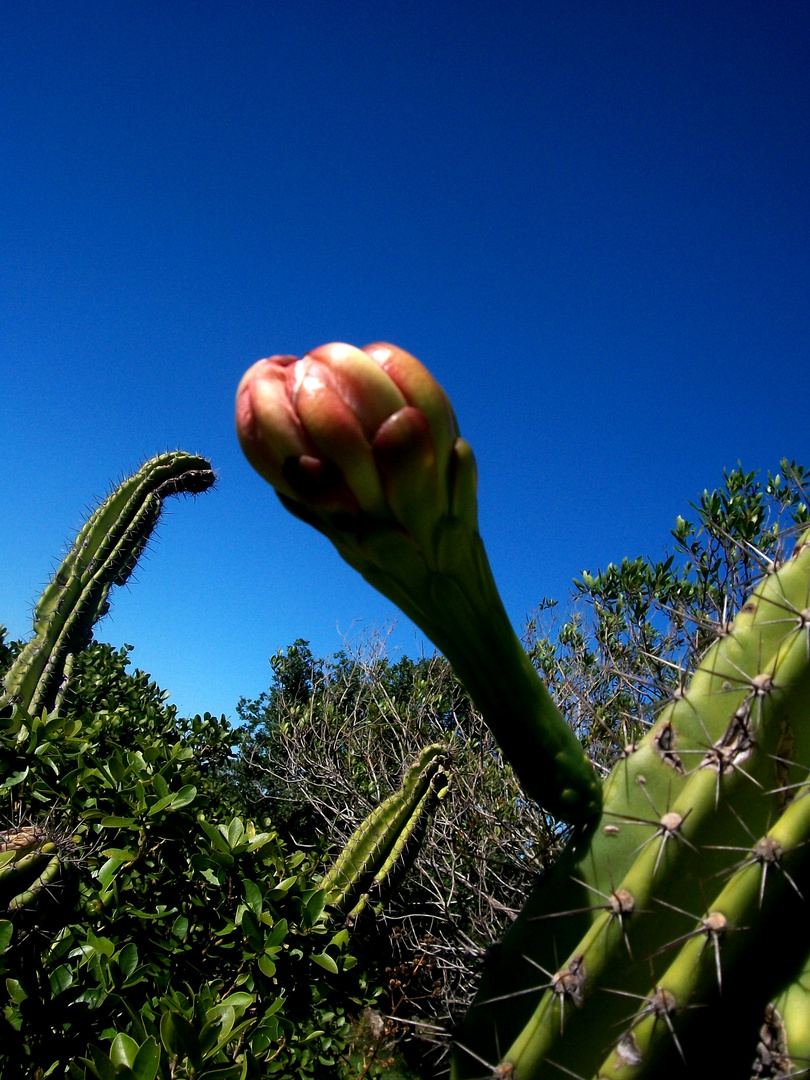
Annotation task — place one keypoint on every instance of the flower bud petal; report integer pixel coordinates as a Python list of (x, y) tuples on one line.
[(335, 430), (361, 383), (420, 389), (403, 450), (266, 422)]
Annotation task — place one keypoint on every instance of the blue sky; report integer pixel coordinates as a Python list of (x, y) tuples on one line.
[(589, 219)]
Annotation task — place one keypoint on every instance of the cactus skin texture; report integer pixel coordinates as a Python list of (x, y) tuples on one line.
[(104, 554), (388, 836), (669, 938)]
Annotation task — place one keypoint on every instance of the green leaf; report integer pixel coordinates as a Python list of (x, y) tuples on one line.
[(61, 979), (282, 888), (159, 805), (253, 896), (236, 831), (341, 938), (160, 786), (120, 854), (123, 1050), (226, 1072), (315, 906), (15, 991), (101, 945), (250, 928), (220, 1021), (183, 797), (278, 933), (179, 1038), (180, 928), (238, 1001), (267, 967), (325, 961), (6, 930), (128, 959), (147, 1060)]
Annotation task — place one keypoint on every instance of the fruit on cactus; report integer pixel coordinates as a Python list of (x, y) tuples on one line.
[(363, 444)]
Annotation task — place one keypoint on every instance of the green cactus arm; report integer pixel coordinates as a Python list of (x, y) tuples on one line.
[(715, 768), (736, 908), (20, 871), (48, 876), (789, 1014), (104, 554), (378, 843)]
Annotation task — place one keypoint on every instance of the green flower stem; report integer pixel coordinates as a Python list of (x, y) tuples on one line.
[(451, 595)]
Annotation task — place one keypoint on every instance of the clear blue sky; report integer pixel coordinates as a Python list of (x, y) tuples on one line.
[(589, 219)]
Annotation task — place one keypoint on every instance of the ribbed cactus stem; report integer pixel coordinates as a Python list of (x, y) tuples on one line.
[(378, 845), (104, 554), (47, 876), (695, 819), (25, 872)]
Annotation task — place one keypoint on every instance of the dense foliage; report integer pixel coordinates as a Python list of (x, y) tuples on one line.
[(325, 745), (178, 939)]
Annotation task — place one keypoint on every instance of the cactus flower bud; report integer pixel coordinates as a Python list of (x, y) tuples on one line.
[(363, 444), (336, 431)]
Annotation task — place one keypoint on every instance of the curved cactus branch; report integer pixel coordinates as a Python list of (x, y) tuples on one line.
[(104, 554), (379, 844)]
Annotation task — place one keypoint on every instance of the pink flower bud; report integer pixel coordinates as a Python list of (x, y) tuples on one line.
[(364, 432)]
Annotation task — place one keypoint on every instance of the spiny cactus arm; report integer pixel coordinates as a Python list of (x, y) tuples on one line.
[(48, 876), (786, 1030), (104, 554), (711, 776), (24, 872), (690, 977), (377, 845)]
